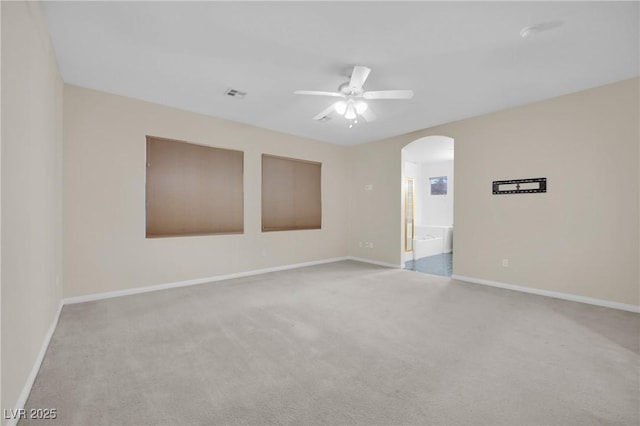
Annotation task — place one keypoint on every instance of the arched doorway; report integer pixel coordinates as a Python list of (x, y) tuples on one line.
[(427, 205)]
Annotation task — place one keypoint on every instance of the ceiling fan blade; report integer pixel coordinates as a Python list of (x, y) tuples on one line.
[(388, 94), (325, 112), (358, 77), (317, 93), (368, 115)]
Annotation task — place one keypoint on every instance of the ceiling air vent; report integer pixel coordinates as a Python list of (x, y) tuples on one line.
[(235, 93)]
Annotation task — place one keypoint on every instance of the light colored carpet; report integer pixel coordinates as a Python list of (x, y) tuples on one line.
[(340, 344)]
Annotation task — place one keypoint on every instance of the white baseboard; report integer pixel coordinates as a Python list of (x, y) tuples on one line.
[(156, 287), (373, 262), (549, 293), (146, 289), (24, 395)]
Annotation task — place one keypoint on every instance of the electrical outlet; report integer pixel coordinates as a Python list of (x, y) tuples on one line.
[(368, 187), (368, 244), (360, 243), (505, 263)]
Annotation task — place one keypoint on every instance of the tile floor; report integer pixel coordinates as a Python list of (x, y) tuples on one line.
[(440, 264)]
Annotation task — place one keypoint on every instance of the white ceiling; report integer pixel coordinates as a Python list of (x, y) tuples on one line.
[(461, 58)]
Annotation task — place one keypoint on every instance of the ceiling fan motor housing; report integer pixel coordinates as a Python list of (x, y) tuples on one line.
[(346, 90)]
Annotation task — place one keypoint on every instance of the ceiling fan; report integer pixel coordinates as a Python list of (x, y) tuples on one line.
[(353, 103)]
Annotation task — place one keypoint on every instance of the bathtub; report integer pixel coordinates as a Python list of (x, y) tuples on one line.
[(432, 240), (427, 245), (445, 233)]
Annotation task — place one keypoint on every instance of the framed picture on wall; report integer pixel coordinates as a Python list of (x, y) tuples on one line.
[(438, 185)]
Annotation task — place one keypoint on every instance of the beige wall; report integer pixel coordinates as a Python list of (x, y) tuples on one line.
[(374, 215), (31, 192), (104, 198), (581, 237)]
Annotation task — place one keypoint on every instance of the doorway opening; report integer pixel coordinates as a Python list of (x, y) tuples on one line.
[(428, 205)]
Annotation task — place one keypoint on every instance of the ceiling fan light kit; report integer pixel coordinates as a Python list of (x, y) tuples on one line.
[(344, 107), (353, 105), (351, 112), (361, 107)]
